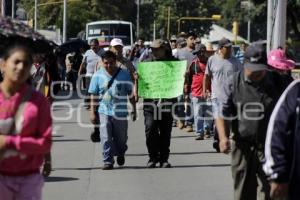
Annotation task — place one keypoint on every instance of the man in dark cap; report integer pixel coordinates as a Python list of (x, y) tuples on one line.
[(194, 86), (219, 67), (247, 102)]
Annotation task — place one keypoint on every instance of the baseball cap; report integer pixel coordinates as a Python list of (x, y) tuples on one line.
[(278, 60), (116, 42), (157, 43), (198, 48), (224, 42), (191, 33), (255, 58), (173, 38)]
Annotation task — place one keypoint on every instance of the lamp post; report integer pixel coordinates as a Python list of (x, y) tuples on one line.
[(249, 22), (168, 28), (13, 2), (247, 5), (137, 18), (65, 22), (269, 25), (154, 30), (3, 8), (35, 15), (279, 37)]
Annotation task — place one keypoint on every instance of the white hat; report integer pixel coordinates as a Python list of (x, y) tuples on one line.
[(116, 41)]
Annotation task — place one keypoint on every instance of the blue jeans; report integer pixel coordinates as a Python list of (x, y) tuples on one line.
[(113, 134), (189, 118), (217, 111), (202, 115)]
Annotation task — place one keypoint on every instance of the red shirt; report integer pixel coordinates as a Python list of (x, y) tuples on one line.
[(195, 75)]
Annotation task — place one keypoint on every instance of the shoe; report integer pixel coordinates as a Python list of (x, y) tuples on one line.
[(199, 137), (180, 125), (206, 134), (95, 137), (107, 167), (174, 124), (189, 129), (120, 160), (165, 164), (151, 164), (216, 145)]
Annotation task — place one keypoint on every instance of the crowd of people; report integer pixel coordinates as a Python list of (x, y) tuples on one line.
[(230, 97)]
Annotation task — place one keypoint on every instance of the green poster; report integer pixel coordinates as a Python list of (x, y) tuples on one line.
[(161, 79)]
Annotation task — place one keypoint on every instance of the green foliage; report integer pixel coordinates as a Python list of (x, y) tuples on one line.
[(81, 12)]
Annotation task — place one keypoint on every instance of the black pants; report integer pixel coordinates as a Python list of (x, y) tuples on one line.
[(158, 135), (249, 179)]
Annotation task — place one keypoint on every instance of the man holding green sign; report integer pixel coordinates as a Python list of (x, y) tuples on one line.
[(161, 80)]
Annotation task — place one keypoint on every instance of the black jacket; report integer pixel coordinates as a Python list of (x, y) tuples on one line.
[(282, 149), (251, 104)]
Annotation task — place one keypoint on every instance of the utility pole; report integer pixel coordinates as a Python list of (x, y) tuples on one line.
[(13, 8), (137, 18), (247, 6), (35, 15), (279, 37), (3, 8), (249, 22), (168, 28), (270, 23), (65, 22), (154, 31)]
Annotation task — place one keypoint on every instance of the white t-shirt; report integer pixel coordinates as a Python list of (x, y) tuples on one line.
[(90, 58)]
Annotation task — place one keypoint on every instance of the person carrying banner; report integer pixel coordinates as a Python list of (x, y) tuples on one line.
[(158, 114)]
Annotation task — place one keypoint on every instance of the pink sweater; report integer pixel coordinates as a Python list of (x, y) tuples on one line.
[(32, 141)]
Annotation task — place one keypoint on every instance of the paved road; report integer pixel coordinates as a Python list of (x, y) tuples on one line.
[(198, 172)]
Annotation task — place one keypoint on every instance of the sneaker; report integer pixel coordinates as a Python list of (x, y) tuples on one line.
[(206, 134), (174, 123), (151, 164), (120, 160), (165, 164), (95, 136), (180, 124), (199, 137), (216, 145), (189, 128), (107, 167)]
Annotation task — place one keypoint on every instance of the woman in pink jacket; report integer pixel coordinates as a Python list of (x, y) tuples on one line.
[(25, 129)]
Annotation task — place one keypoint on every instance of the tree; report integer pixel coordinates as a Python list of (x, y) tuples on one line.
[(157, 11), (81, 12)]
